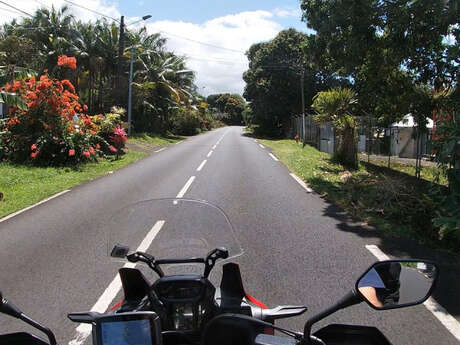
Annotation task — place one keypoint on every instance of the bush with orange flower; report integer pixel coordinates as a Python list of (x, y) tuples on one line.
[(53, 129)]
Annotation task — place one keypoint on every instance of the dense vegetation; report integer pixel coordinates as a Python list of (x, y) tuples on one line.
[(164, 95), (394, 57)]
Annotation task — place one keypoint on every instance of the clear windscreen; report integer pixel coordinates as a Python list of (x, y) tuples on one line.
[(172, 229)]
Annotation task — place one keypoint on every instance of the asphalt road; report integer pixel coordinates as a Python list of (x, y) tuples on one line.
[(298, 249)]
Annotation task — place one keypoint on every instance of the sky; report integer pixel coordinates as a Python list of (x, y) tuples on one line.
[(213, 35)]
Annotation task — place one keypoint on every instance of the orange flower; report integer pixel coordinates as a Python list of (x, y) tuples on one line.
[(67, 61), (13, 121)]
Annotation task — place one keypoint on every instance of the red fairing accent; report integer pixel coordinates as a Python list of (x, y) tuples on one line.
[(118, 305), (255, 301)]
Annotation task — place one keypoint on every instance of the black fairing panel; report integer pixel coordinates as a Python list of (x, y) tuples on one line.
[(21, 338), (337, 334), (228, 330), (135, 285)]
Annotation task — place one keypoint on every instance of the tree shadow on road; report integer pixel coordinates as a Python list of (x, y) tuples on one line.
[(447, 291)]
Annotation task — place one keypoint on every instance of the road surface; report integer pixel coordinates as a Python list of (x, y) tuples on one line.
[(298, 249)]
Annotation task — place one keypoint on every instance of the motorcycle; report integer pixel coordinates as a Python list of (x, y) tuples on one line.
[(185, 305)]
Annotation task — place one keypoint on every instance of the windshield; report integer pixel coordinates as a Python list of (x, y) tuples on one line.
[(171, 229)]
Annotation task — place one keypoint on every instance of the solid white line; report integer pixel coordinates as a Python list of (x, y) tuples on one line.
[(274, 158), (381, 256), (84, 330), (447, 320), (164, 148), (301, 182), (255, 140), (209, 154), (186, 187), (262, 146), (201, 165), (179, 142), (32, 206)]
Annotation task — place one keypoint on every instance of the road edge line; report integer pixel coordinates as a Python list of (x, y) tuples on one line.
[(439, 312), (273, 157), (301, 182), (34, 205)]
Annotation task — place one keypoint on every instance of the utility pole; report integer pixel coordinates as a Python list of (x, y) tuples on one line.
[(130, 89), (302, 77), (121, 48)]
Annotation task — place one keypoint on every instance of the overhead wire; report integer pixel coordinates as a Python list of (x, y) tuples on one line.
[(15, 8), (90, 10), (11, 11), (203, 43)]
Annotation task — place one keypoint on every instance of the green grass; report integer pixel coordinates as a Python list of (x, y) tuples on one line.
[(428, 173), (24, 185), (154, 139), (392, 200)]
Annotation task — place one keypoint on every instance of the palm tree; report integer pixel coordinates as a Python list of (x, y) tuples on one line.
[(335, 106)]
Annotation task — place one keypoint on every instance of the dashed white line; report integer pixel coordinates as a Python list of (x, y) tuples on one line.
[(273, 157), (255, 140), (179, 142), (209, 154), (447, 320), (164, 148), (214, 147), (301, 182), (201, 165), (186, 187), (32, 206), (83, 331), (262, 146)]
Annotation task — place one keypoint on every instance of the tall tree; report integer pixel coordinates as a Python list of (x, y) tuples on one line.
[(274, 78)]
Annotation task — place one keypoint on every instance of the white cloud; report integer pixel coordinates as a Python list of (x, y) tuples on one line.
[(30, 6), (287, 12), (219, 70)]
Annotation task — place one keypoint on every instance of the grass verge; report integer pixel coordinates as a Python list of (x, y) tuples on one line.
[(396, 203), (24, 185), (146, 139)]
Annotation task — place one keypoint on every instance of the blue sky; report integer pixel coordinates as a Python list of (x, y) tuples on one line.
[(199, 11), (235, 25)]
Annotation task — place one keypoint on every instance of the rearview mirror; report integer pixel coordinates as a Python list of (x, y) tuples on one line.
[(119, 251), (397, 283)]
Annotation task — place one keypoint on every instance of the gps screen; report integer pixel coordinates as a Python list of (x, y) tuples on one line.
[(136, 332)]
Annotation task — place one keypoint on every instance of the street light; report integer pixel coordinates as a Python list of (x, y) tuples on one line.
[(148, 16)]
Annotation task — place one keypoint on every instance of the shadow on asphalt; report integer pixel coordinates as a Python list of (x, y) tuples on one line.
[(446, 293)]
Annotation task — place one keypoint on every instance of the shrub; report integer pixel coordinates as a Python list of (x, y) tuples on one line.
[(51, 130), (187, 122)]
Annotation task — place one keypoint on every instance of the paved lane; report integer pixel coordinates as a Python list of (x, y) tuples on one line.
[(298, 249)]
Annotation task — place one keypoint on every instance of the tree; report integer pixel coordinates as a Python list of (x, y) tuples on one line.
[(335, 106), (274, 77), (229, 106), (386, 48)]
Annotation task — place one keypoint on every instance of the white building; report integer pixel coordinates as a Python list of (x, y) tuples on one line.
[(403, 142)]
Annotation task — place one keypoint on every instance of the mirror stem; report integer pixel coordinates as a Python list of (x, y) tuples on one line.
[(44, 329), (348, 300)]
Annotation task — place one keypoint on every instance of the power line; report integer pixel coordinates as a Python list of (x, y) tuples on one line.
[(90, 10), (203, 43), (17, 9), (11, 11)]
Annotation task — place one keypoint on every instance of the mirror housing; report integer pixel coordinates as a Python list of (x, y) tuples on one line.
[(119, 251), (395, 284)]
